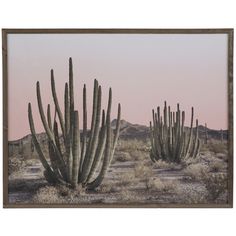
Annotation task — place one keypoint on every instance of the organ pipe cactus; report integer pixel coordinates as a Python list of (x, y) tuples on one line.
[(75, 160), (170, 139)]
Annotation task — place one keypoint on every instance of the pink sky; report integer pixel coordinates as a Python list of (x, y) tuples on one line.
[(143, 71)]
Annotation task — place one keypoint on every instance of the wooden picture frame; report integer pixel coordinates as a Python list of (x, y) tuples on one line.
[(228, 203)]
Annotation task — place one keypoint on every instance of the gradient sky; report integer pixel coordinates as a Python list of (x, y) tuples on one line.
[(143, 71)]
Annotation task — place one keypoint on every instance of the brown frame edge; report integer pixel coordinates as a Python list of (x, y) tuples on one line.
[(228, 31)]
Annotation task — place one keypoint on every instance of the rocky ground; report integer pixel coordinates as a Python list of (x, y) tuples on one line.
[(132, 179)]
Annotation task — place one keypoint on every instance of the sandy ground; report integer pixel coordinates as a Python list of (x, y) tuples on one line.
[(131, 181)]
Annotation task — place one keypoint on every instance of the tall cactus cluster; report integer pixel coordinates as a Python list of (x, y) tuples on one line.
[(170, 139), (76, 159)]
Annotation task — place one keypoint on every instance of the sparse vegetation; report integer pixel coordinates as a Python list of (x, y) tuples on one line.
[(123, 156), (162, 186), (196, 171), (216, 184), (133, 178)]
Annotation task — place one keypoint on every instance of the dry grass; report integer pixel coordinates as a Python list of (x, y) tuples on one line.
[(57, 194), (15, 164), (216, 185), (192, 196), (128, 196), (196, 171), (126, 179), (138, 155), (215, 147), (163, 186), (131, 145), (160, 164), (107, 188), (143, 171), (216, 166), (48, 195), (123, 156)]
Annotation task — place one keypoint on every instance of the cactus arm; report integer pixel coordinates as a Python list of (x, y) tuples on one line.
[(71, 91), (56, 136), (100, 149), (198, 148), (190, 135), (61, 162), (117, 131), (37, 145), (84, 141), (67, 110), (49, 117), (54, 94), (195, 142), (93, 136), (41, 112), (94, 139), (153, 148), (108, 147), (76, 149)]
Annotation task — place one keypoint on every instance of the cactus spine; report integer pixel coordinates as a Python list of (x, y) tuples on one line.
[(76, 161), (170, 140)]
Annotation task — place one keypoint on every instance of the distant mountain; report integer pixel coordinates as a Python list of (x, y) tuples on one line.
[(128, 130)]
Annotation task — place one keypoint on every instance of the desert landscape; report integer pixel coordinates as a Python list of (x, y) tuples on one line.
[(146, 132), (132, 177)]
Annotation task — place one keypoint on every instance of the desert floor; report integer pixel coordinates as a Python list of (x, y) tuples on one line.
[(131, 179)]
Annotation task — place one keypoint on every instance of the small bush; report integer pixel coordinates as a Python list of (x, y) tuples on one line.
[(107, 188), (160, 164), (128, 196), (15, 164), (216, 184), (138, 155), (131, 145), (160, 185), (196, 171), (142, 171), (123, 156), (216, 166), (126, 179), (215, 147), (48, 195)]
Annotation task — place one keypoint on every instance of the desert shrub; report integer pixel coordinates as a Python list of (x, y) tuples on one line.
[(131, 145), (107, 188), (160, 164), (138, 155), (215, 147), (15, 164), (48, 195), (160, 185), (126, 178), (222, 156), (123, 156), (58, 194), (128, 196), (216, 166), (142, 171), (196, 171), (192, 196), (216, 184)]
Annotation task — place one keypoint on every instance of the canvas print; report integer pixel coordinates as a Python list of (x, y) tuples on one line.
[(118, 119)]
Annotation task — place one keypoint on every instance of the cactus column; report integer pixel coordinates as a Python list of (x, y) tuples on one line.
[(170, 140), (73, 161)]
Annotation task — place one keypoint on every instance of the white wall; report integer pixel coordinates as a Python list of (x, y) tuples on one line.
[(117, 14)]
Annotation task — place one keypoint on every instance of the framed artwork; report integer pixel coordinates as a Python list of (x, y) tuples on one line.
[(118, 117)]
